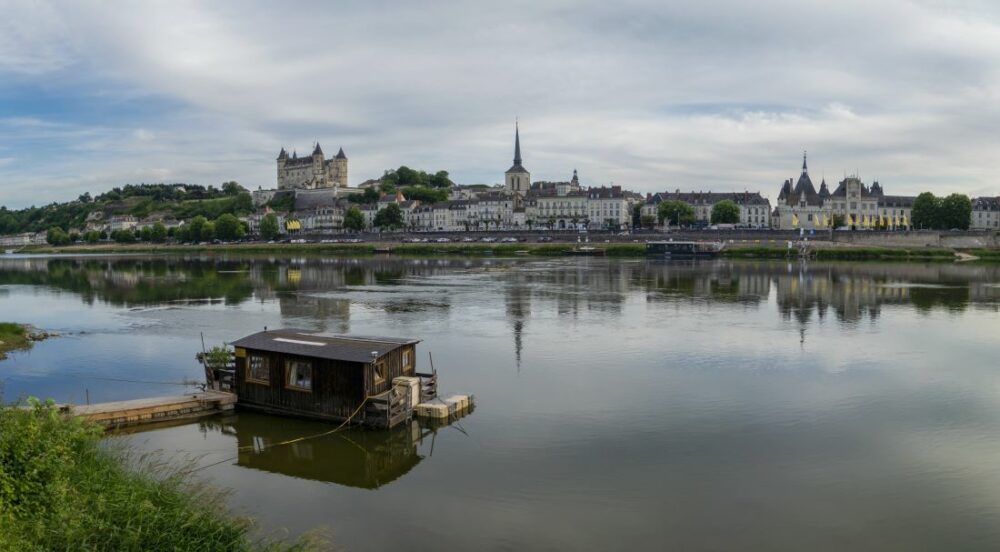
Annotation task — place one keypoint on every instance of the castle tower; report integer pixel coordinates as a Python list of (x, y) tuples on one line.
[(340, 169), (282, 157), (517, 179), (318, 169)]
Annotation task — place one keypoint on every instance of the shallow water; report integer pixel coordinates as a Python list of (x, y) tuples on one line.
[(714, 405)]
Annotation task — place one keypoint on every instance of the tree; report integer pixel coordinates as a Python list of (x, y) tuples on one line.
[(56, 236), (146, 233), (676, 212), (389, 217), (725, 212), (839, 220), (194, 227), (370, 195), (207, 232), (647, 221), (158, 233), (955, 212), (92, 236), (440, 179), (227, 227), (269, 227), (925, 211), (354, 219), (232, 188), (123, 236)]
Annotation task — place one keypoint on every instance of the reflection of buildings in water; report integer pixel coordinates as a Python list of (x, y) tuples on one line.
[(518, 312), (719, 281), (857, 291), (354, 457), (324, 314)]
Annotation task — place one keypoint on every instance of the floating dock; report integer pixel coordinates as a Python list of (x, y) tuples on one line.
[(118, 414)]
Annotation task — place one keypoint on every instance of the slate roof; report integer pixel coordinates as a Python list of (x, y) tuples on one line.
[(986, 204), (711, 198), (349, 348)]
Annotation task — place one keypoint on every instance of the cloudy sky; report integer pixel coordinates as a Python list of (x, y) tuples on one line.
[(658, 95)]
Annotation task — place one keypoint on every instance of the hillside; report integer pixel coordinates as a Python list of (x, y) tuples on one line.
[(177, 201)]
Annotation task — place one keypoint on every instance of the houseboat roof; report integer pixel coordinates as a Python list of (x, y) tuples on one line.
[(350, 348)]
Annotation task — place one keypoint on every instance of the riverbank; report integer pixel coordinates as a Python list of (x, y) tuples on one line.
[(18, 337), (62, 489), (774, 250)]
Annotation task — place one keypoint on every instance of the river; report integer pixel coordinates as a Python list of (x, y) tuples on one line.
[(621, 404)]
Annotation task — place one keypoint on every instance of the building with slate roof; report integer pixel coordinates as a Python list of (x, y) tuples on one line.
[(985, 213), (852, 203), (754, 208), (311, 172)]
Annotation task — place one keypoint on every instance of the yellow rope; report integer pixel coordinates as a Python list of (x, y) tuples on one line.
[(298, 439)]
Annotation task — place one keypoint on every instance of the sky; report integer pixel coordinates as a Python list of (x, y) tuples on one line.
[(650, 95)]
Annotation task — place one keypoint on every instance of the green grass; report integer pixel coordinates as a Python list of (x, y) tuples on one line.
[(13, 337), (61, 489)]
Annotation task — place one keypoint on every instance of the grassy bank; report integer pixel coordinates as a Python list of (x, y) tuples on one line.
[(822, 250), (423, 249), (846, 253), (13, 337), (61, 490)]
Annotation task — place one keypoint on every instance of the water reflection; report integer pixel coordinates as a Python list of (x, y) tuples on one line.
[(353, 457)]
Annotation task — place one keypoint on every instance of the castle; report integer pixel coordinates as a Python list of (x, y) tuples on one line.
[(313, 172)]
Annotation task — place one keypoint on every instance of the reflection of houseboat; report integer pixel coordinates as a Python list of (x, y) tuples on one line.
[(330, 377), (586, 251), (683, 249), (355, 458)]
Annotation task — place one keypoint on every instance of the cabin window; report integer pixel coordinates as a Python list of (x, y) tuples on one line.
[(379, 372), (406, 360), (299, 375), (258, 369)]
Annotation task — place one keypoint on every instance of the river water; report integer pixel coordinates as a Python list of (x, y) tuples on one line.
[(620, 403)]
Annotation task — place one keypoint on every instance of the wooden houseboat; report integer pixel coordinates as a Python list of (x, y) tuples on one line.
[(683, 249), (330, 377)]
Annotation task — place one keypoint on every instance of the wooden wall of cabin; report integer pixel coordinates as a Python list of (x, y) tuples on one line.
[(394, 366), (338, 388)]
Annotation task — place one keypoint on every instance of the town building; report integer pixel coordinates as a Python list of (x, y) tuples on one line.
[(985, 213), (852, 204), (755, 209)]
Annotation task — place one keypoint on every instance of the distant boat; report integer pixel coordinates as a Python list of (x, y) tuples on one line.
[(586, 251), (683, 249)]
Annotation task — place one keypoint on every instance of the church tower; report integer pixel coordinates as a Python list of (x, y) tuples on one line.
[(517, 179)]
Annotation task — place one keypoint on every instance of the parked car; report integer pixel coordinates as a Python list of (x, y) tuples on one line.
[(468, 240), (544, 239), (488, 240), (442, 240)]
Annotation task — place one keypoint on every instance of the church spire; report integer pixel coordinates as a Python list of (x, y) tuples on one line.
[(517, 145), (805, 169)]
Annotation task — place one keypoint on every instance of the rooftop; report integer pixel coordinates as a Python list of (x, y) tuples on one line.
[(350, 348)]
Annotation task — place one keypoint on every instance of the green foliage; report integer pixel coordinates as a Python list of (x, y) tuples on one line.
[(956, 212), (56, 236), (269, 227), (647, 221), (929, 212), (676, 212), (123, 236), (370, 195), (425, 194), (228, 227), (207, 232), (12, 337), (61, 490), (389, 217), (232, 188), (925, 211), (725, 212), (283, 202), (404, 177), (158, 233), (354, 219), (218, 357), (92, 236)]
